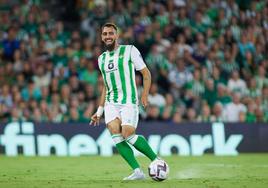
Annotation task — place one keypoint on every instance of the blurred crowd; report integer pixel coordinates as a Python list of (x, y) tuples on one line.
[(208, 59)]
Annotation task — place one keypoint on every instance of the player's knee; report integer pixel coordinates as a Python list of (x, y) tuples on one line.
[(127, 132), (114, 129)]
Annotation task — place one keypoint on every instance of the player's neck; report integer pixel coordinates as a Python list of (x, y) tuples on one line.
[(115, 48)]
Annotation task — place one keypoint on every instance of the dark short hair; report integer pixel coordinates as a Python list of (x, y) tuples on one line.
[(108, 24)]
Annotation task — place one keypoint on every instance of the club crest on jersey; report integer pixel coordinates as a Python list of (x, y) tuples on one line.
[(110, 66)]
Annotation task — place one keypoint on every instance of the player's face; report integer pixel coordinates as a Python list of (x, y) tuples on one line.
[(109, 36)]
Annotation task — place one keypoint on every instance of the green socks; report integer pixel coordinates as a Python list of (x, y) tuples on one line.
[(140, 143), (125, 151)]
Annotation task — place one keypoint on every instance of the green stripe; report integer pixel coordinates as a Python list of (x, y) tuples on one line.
[(114, 87), (122, 75), (111, 54), (133, 91), (104, 76)]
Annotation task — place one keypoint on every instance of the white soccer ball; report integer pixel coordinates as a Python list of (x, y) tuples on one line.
[(158, 170)]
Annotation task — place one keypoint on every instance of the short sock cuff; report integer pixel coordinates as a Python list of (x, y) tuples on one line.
[(132, 139), (117, 138)]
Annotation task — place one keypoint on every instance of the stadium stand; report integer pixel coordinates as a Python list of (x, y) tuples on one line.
[(209, 59)]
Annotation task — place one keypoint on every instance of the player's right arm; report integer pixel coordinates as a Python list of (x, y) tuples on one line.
[(95, 118)]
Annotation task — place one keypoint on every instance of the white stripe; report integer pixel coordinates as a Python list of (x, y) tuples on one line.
[(118, 139), (132, 139), (117, 76), (109, 82)]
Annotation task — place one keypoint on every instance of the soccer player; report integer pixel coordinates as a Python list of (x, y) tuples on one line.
[(119, 98)]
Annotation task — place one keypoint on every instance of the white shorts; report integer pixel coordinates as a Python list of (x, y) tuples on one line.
[(128, 114)]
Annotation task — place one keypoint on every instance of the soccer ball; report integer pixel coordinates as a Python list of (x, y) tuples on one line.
[(158, 170)]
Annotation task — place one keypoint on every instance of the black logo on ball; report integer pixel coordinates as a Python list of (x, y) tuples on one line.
[(110, 66)]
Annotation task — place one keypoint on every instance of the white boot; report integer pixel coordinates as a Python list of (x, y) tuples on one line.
[(136, 175)]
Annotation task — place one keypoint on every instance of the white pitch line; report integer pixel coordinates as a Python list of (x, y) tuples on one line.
[(189, 173), (202, 170), (220, 165), (198, 170)]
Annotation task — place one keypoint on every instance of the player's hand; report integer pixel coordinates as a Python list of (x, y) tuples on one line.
[(144, 100), (95, 120)]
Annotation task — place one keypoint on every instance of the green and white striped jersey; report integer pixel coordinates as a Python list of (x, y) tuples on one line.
[(118, 71)]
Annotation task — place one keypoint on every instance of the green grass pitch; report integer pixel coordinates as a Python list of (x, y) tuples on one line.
[(247, 170)]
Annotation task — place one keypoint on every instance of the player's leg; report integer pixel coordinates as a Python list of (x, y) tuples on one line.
[(130, 117), (113, 122), (121, 145), (138, 141)]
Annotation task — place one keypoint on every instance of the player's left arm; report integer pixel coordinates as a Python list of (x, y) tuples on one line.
[(140, 66), (146, 75)]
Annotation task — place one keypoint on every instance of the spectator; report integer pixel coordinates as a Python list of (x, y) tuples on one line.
[(210, 96), (170, 107), (16, 115), (75, 85), (90, 75), (196, 85), (182, 46), (253, 91), (229, 65), (245, 46), (37, 116), (205, 115), (155, 98), (5, 96), (177, 118), (222, 95), (41, 77), (43, 106), (154, 60), (261, 77), (250, 116), (264, 102), (200, 50), (191, 115), (236, 84), (31, 91), (18, 63), (232, 110), (153, 113), (218, 114), (10, 44), (65, 94), (259, 115), (55, 115), (27, 72), (178, 77), (60, 58)]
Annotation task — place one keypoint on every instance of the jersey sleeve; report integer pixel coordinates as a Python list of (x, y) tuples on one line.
[(136, 59), (100, 61)]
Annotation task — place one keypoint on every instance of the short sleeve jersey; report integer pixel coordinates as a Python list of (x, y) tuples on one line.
[(118, 71)]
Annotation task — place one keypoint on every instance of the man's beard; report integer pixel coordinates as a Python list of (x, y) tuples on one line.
[(109, 47)]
